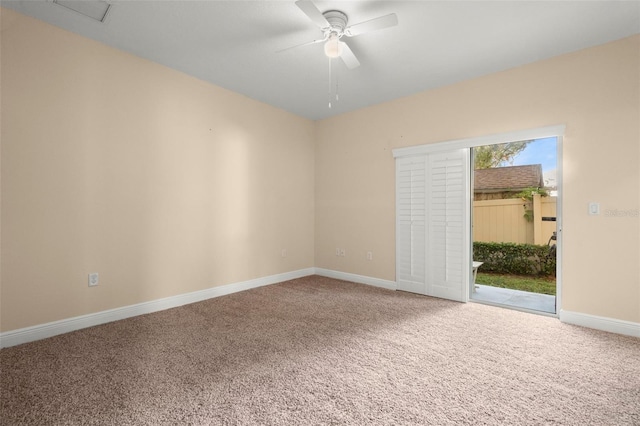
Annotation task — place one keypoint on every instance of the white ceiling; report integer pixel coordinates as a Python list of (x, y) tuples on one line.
[(234, 44)]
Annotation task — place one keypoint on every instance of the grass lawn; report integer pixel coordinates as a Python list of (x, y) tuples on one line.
[(543, 285)]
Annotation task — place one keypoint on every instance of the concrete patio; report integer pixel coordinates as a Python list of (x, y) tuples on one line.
[(514, 298)]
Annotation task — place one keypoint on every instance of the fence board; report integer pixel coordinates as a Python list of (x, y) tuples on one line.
[(503, 221)]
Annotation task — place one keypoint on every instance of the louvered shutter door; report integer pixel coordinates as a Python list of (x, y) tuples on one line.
[(447, 177), (410, 224)]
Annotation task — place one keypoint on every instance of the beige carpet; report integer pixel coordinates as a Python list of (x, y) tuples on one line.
[(318, 351)]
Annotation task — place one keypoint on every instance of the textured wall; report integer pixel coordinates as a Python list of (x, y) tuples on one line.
[(165, 185), (161, 183), (594, 92)]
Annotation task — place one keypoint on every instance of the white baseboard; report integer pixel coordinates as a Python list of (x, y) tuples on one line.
[(601, 323), (361, 279), (42, 331), (585, 320)]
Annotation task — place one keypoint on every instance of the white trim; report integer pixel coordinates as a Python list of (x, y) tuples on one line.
[(559, 221), (521, 135), (467, 256), (360, 279), (42, 331), (601, 323)]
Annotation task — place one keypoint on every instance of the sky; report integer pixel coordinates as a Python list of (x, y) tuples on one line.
[(540, 151)]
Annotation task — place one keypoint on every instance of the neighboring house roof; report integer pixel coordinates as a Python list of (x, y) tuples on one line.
[(512, 178)]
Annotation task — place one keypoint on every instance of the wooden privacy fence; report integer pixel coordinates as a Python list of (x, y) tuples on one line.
[(503, 221)]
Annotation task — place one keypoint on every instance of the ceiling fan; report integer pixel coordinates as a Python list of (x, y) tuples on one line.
[(333, 24)]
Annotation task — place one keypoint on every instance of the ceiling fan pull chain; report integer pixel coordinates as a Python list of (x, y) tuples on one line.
[(329, 82)]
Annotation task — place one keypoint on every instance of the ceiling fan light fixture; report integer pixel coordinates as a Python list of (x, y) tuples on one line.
[(333, 48)]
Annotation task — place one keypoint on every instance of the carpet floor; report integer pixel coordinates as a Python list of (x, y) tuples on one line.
[(319, 351)]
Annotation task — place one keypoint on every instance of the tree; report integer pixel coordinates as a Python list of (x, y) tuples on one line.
[(491, 156)]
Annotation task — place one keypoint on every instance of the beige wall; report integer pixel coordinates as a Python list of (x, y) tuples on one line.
[(594, 92), (161, 183), (165, 184)]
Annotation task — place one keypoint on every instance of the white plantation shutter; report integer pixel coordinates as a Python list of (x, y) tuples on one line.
[(447, 256), (410, 224), (432, 224)]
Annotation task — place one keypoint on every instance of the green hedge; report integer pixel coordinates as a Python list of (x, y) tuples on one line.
[(518, 259)]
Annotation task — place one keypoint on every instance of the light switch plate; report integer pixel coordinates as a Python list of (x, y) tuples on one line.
[(594, 209), (93, 279)]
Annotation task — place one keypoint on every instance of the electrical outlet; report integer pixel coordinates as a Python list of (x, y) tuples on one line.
[(369, 255), (342, 252), (93, 279)]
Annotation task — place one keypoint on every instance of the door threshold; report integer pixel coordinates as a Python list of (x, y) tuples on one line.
[(515, 308), (515, 299)]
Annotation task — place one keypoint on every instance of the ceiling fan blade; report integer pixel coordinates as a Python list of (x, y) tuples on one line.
[(320, 40), (313, 13), (348, 57), (374, 24)]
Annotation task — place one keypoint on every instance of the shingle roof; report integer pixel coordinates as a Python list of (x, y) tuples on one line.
[(512, 178)]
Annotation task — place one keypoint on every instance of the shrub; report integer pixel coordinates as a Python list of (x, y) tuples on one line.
[(518, 259)]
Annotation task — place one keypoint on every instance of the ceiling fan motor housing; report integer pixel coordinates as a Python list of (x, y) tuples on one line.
[(337, 21)]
